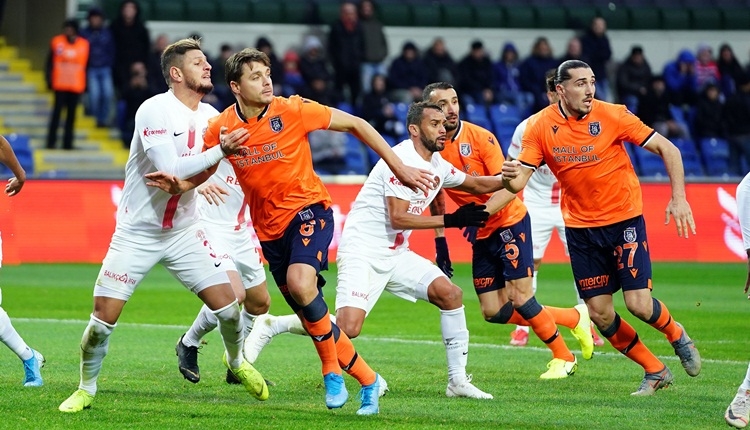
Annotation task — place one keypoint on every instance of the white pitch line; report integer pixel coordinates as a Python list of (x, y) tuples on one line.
[(597, 352)]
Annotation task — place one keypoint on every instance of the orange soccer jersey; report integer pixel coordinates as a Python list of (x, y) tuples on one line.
[(274, 167), (477, 152), (598, 184)]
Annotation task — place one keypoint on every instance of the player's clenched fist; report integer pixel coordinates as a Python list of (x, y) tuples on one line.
[(511, 169)]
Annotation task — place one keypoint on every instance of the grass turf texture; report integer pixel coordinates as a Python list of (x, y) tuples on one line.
[(140, 386)]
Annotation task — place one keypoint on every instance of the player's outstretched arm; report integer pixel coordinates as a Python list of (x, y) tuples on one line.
[(412, 177), (8, 158), (213, 193), (173, 185), (678, 206), (465, 216)]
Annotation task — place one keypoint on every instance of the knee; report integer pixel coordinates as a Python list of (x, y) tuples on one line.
[(228, 314), (445, 296), (257, 305), (351, 328)]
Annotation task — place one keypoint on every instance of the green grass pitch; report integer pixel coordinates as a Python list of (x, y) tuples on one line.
[(140, 387)]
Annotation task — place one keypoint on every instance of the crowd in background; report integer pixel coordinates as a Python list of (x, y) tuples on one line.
[(701, 93)]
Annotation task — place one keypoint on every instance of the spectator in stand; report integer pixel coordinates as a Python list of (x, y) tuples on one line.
[(709, 114), (137, 92), (378, 110), (506, 75), (475, 76), (729, 69), (322, 92), (633, 78), (264, 45), (597, 51), (574, 51), (653, 110), (223, 95), (99, 85), (155, 79), (680, 79), (532, 71), (313, 64), (439, 64), (293, 82), (66, 76), (328, 151), (345, 49), (375, 44), (706, 70), (737, 116), (407, 75), (132, 41)]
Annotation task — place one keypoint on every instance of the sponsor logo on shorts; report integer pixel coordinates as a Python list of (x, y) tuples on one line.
[(120, 277), (480, 283), (506, 235), (630, 235), (360, 294), (593, 282), (306, 215)]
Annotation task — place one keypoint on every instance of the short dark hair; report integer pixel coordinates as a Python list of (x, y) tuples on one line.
[(549, 79), (416, 112), (562, 73), (172, 55), (435, 86), (233, 69)]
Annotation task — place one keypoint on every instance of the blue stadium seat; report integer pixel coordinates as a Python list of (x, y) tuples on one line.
[(21, 144), (355, 156), (346, 107), (401, 110), (650, 164), (631, 150), (715, 156)]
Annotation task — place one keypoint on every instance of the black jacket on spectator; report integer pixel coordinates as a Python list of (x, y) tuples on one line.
[(405, 74), (132, 44), (532, 71), (709, 117), (474, 76), (633, 79), (597, 51), (737, 114), (653, 107), (440, 68)]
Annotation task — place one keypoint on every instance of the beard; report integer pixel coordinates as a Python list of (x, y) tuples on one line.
[(196, 86), (431, 145), (450, 127)]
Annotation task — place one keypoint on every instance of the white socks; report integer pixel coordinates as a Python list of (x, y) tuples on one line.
[(746, 383), (456, 341), (230, 327), (203, 324), (94, 346), (10, 337)]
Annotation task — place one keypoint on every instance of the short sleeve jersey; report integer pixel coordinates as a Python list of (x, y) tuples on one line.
[(274, 167), (368, 226), (161, 120), (587, 154), (542, 190), (477, 152), (234, 212)]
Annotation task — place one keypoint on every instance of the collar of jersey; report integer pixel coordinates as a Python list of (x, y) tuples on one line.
[(562, 112), (458, 131), (242, 117)]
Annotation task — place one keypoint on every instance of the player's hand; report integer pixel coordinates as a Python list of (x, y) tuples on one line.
[(168, 183), (470, 233), (213, 193), (442, 257), (683, 216), (231, 142), (511, 169), (467, 215), (13, 186), (416, 179)]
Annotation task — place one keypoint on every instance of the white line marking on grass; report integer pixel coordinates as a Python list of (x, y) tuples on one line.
[(597, 351)]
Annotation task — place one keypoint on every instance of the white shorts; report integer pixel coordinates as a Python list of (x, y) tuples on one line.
[(543, 221), (187, 254), (361, 279), (238, 246)]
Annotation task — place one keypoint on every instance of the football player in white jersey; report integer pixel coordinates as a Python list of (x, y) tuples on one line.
[(154, 227), (374, 254), (32, 359), (225, 216), (542, 199), (738, 412)]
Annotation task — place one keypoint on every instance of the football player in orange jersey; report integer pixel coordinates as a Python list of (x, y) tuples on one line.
[(290, 205), (502, 261), (581, 140)]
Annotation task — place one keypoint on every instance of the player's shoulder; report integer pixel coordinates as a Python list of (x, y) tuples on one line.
[(606, 110), (476, 134)]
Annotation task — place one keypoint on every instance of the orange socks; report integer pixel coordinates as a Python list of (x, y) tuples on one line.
[(623, 338), (322, 335), (351, 362), (662, 321)]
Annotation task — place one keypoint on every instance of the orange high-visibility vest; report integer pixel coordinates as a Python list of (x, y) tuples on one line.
[(69, 63)]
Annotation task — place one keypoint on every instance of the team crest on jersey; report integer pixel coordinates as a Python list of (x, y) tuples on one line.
[(276, 124), (506, 236), (465, 149), (630, 235), (595, 128)]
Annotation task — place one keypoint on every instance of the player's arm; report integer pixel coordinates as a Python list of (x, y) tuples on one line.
[(465, 216), (442, 254), (8, 158), (437, 208), (412, 177), (678, 205), (515, 175)]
